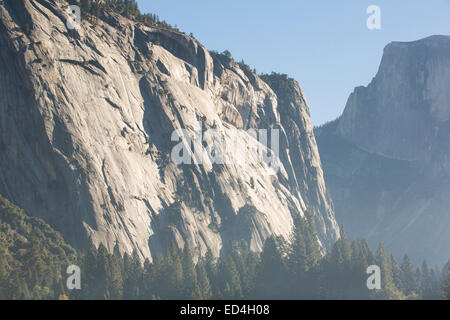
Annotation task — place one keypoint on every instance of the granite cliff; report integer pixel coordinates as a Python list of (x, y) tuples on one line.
[(387, 158), (86, 118)]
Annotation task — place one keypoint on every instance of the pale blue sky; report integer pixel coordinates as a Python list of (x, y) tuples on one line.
[(324, 45)]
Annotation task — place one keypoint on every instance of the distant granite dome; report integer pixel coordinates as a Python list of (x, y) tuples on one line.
[(404, 113), (387, 158)]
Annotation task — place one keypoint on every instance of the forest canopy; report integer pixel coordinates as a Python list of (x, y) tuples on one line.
[(34, 259)]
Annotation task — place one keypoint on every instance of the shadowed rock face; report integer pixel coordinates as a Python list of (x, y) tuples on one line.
[(387, 158), (404, 113), (86, 118)]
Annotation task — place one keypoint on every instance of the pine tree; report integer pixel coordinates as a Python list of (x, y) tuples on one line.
[(270, 281), (90, 287), (396, 274), (116, 274), (172, 274), (153, 278), (304, 256), (445, 285), (305, 250), (435, 284), (338, 268), (132, 276), (211, 271), (103, 272), (34, 266), (389, 290), (342, 251), (246, 262), (362, 257), (312, 242), (408, 275), (204, 283), (191, 288), (230, 276)]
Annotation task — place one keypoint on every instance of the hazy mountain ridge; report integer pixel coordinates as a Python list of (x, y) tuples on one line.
[(386, 159), (86, 119)]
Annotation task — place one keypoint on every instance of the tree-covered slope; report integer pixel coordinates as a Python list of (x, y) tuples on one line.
[(32, 256)]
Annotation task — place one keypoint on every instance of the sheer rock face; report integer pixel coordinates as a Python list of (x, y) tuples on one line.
[(404, 113), (86, 118), (387, 158)]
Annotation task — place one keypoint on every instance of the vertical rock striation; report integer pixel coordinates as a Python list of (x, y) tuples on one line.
[(86, 118)]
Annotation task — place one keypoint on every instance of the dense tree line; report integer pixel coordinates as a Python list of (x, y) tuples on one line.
[(34, 258), (297, 270), (95, 9)]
